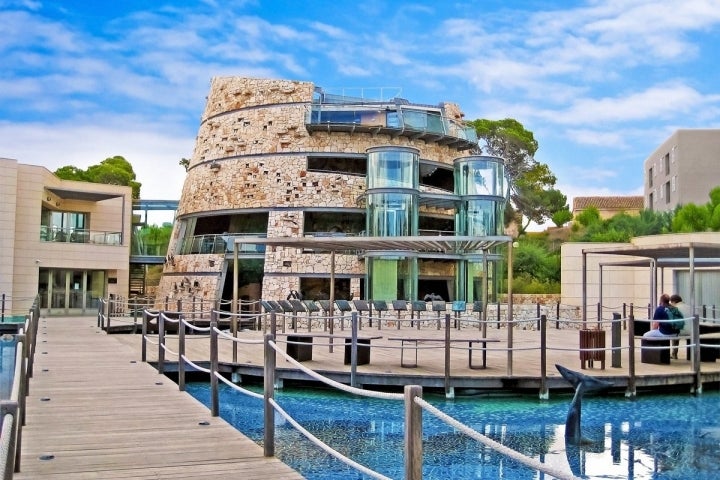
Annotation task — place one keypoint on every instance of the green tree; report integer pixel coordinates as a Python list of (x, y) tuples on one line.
[(588, 216), (691, 218), (532, 192), (111, 171), (185, 163), (561, 217)]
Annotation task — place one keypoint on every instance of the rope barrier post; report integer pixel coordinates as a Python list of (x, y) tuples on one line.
[(449, 392), (631, 391), (557, 316), (269, 393), (413, 433), (544, 395), (616, 340), (537, 314), (353, 348), (143, 340), (214, 401), (696, 353), (161, 343), (273, 324), (181, 354), (109, 310), (10, 408)]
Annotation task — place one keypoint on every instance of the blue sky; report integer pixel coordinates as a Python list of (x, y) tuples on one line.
[(600, 83)]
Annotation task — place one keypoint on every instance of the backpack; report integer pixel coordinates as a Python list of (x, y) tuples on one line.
[(675, 313)]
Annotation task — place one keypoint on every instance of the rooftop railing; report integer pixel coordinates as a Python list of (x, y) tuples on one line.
[(220, 244), (394, 120)]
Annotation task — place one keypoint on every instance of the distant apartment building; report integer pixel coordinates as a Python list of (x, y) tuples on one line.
[(683, 169), (282, 158), (67, 241)]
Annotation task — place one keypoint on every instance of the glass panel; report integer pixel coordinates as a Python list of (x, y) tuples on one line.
[(481, 176), (59, 288), (392, 168), (76, 290), (95, 287), (391, 215)]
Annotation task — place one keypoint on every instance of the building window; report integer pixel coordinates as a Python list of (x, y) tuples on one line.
[(651, 201), (349, 165), (667, 192), (650, 177), (666, 164)]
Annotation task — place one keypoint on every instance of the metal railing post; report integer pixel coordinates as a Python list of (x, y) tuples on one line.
[(353, 348), (543, 358), (448, 389), (413, 433), (161, 343), (631, 391), (181, 354), (696, 354), (143, 340), (269, 394), (214, 400), (616, 340)]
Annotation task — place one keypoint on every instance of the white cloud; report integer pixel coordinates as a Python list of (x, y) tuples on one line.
[(153, 154)]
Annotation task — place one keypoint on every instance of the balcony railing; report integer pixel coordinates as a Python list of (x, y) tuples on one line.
[(393, 120), (220, 244), (78, 235)]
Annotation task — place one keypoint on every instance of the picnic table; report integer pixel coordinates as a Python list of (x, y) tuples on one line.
[(413, 343), (300, 345)]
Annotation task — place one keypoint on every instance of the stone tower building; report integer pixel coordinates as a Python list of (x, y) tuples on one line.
[(279, 158)]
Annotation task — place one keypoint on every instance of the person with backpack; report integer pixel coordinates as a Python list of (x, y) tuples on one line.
[(679, 311), (661, 327)]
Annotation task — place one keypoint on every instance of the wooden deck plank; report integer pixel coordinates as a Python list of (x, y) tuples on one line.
[(104, 414)]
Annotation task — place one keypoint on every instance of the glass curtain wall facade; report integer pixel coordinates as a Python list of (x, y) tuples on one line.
[(483, 189), (392, 211)]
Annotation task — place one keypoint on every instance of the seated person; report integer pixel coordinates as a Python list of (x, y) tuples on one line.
[(662, 328)]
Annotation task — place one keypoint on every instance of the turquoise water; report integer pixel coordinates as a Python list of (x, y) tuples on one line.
[(7, 365), (652, 437), (13, 319)]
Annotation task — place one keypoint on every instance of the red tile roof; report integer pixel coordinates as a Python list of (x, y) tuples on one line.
[(629, 202)]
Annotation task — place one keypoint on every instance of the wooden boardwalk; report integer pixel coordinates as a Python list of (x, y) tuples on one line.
[(385, 370), (101, 413)]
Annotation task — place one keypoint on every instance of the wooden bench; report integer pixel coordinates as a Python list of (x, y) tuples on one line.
[(414, 343), (299, 346)]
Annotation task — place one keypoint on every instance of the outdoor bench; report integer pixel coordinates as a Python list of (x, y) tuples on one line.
[(299, 346), (414, 344), (658, 355)]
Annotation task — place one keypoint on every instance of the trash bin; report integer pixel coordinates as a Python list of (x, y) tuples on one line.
[(592, 339)]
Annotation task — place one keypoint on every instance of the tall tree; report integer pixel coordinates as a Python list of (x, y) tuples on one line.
[(532, 192), (112, 171)]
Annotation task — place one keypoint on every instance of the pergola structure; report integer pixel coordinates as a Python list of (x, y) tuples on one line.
[(677, 255)]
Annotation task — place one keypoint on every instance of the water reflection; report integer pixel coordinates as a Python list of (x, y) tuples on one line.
[(653, 437)]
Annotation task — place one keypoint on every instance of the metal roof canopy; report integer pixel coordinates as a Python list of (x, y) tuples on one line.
[(336, 243), (682, 254), (82, 195)]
